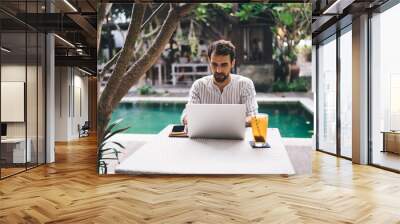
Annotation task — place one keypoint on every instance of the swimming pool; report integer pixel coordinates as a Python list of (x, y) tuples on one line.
[(292, 119)]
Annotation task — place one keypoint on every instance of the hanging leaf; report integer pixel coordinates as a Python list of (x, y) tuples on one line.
[(286, 18), (119, 144), (111, 126)]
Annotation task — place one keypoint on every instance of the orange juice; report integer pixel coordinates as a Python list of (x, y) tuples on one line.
[(259, 126)]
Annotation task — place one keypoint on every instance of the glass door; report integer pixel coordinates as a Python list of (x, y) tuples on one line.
[(22, 88), (327, 95), (346, 92), (385, 89), (14, 154)]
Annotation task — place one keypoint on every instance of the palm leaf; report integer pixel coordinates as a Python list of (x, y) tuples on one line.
[(110, 159), (111, 126), (105, 151), (102, 145), (116, 154), (119, 144), (114, 133), (111, 153)]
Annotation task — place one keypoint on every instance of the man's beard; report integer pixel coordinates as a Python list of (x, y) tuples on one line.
[(220, 77)]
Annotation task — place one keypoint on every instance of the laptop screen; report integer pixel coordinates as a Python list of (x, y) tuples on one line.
[(3, 129)]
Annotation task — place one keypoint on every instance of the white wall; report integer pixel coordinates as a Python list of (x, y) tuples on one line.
[(61, 103), (71, 94)]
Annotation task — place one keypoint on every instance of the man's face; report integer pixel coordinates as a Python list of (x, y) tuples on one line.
[(221, 66)]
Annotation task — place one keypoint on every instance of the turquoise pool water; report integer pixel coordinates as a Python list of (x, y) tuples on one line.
[(292, 119)]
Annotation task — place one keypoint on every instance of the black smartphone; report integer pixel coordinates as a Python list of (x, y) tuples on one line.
[(178, 128)]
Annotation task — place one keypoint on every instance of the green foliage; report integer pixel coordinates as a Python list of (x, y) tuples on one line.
[(292, 23), (280, 86), (226, 7), (201, 12), (109, 150), (247, 11), (286, 18), (301, 84), (145, 90), (206, 11)]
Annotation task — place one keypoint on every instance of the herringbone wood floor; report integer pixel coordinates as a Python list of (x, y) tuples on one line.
[(70, 191)]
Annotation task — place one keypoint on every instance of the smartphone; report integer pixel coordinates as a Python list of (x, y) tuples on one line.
[(178, 128)]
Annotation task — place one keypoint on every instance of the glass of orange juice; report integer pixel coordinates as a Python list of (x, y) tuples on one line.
[(259, 127)]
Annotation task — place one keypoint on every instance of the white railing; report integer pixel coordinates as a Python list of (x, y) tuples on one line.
[(195, 69)]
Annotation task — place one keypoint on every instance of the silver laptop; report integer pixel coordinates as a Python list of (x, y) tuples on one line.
[(224, 121)]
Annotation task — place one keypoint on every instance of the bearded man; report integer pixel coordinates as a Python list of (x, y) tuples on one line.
[(223, 87)]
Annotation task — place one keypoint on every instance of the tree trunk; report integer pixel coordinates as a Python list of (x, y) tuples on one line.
[(289, 72), (103, 119)]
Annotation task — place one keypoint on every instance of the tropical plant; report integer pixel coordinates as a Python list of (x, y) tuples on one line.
[(280, 86), (109, 150), (301, 84), (292, 24), (145, 90)]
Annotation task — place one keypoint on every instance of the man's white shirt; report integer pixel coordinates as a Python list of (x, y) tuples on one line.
[(240, 90)]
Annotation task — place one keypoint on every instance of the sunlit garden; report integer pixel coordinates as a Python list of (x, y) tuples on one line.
[(273, 49)]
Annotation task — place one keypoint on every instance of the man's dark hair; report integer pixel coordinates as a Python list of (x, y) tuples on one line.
[(222, 47)]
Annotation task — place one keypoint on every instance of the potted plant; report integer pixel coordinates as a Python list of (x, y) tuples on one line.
[(109, 150)]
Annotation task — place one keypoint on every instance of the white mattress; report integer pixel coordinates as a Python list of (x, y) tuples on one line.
[(167, 155)]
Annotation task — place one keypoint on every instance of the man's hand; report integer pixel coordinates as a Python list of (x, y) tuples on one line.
[(184, 120), (248, 121)]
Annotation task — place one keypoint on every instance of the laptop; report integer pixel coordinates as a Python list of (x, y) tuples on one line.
[(220, 121)]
